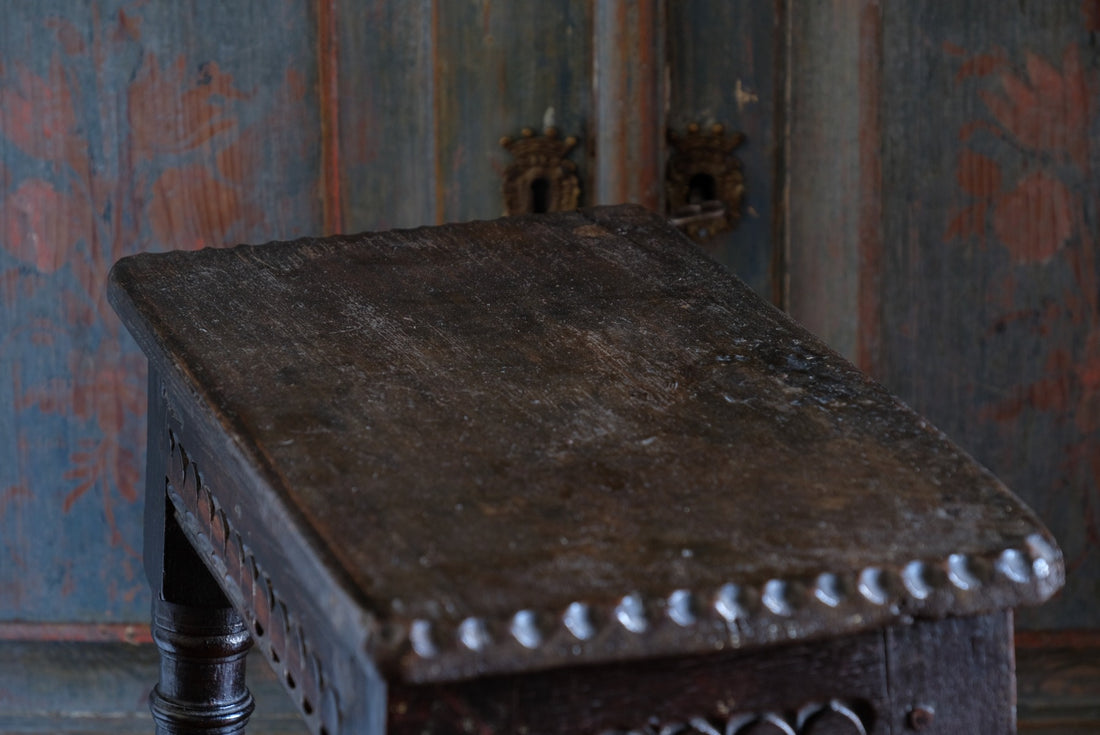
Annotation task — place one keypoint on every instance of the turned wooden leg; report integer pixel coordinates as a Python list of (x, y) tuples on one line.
[(202, 639), (202, 666)]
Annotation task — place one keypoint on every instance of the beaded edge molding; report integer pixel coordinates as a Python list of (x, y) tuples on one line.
[(250, 589), (736, 615)]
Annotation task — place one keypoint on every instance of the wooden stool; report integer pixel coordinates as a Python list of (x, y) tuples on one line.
[(553, 474)]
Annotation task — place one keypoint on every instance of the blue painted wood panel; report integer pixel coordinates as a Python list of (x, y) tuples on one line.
[(946, 155), (499, 68), (386, 112), (990, 290), (124, 126)]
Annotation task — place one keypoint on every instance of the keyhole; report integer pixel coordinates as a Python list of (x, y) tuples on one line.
[(702, 188), (540, 195)]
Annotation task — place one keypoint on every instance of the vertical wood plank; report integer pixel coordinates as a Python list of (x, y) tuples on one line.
[(628, 86), (502, 67), (386, 129), (870, 233), (722, 61), (328, 83), (960, 670), (831, 98)]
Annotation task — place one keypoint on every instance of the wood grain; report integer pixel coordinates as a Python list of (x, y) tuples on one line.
[(716, 689), (1058, 689), (103, 688), (958, 675), (825, 180)]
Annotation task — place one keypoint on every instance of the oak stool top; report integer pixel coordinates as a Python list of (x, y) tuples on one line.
[(503, 447)]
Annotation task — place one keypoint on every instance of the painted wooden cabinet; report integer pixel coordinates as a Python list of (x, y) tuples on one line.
[(919, 190)]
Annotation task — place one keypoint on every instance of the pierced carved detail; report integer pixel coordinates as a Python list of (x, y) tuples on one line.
[(274, 628), (540, 179)]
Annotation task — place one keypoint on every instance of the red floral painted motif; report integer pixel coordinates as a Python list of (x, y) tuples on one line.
[(1038, 126), (1048, 110), (1034, 220), (164, 172), (35, 233)]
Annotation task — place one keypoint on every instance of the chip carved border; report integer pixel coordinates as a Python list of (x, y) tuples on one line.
[(275, 628)]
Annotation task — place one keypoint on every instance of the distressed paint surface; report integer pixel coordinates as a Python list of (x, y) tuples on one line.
[(722, 69), (499, 68), (387, 119), (977, 295), (990, 283), (124, 127)]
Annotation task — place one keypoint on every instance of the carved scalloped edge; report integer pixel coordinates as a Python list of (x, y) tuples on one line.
[(268, 617), (792, 723), (958, 584)]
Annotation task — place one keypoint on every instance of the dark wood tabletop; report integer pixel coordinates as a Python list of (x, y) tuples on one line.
[(538, 441)]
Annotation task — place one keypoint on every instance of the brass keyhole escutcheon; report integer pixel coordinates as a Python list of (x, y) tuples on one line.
[(704, 184), (540, 179)]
